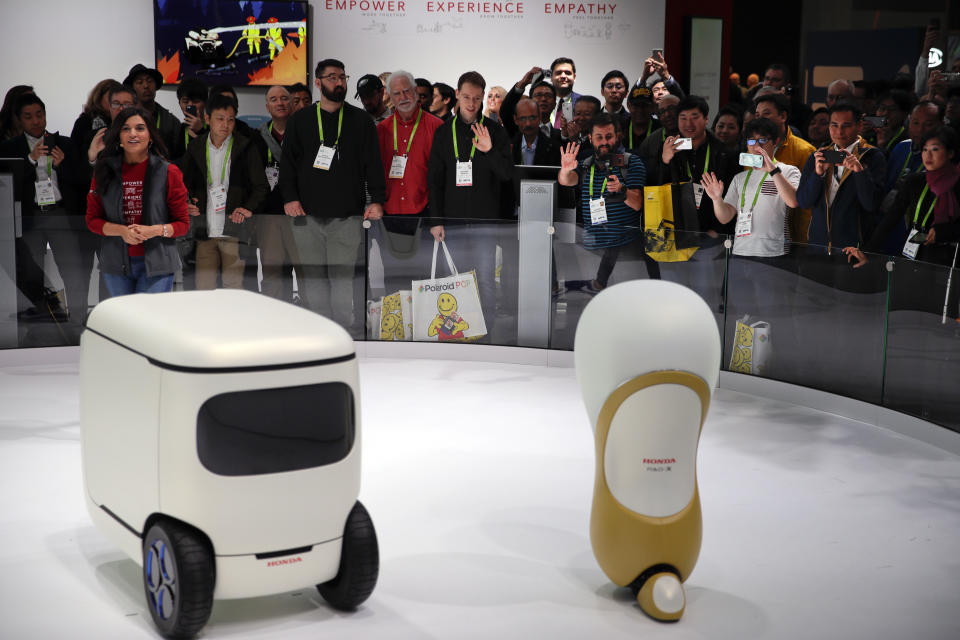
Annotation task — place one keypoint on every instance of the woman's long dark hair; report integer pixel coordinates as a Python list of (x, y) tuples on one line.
[(103, 173)]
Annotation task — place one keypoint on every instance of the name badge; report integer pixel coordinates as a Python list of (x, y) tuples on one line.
[(45, 193), (698, 194), (324, 157), (910, 249), (598, 211), (744, 223), (273, 176), (218, 196), (465, 174), (398, 166)]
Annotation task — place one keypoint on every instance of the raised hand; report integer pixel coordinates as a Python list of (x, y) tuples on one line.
[(768, 164), (96, 146), (712, 185), (851, 163), (528, 77), (822, 166), (481, 137), (568, 156)]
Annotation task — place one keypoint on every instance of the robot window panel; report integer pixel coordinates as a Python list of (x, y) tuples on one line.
[(275, 430)]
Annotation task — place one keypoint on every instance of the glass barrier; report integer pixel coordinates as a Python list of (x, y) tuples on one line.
[(923, 342), (885, 333), (586, 265), (468, 292), (809, 318)]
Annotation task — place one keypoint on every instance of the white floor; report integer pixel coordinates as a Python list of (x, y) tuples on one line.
[(478, 477)]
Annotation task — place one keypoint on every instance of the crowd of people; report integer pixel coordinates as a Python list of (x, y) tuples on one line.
[(151, 194)]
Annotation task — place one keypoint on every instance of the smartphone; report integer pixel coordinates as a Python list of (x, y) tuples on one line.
[(191, 109), (919, 237), (567, 110), (683, 144), (657, 54), (754, 160), (836, 157), (537, 77), (876, 121), (951, 78)]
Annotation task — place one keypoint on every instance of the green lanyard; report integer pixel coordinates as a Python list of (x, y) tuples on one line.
[(649, 127), (663, 134), (269, 152), (412, 133), (916, 213), (223, 169), (158, 119), (186, 137), (320, 125), (706, 167), (895, 136), (743, 192), (603, 187), (456, 151), (903, 169)]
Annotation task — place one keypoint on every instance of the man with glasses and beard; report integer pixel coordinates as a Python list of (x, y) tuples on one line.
[(330, 151), (611, 198)]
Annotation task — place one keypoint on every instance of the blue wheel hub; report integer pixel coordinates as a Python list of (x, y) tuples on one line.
[(161, 580)]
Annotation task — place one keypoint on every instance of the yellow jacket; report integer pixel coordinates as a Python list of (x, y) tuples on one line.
[(795, 151)]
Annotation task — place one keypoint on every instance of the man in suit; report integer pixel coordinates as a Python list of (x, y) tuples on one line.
[(51, 211), (531, 145)]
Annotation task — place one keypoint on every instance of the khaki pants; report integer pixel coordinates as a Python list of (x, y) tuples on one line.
[(275, 239), (219, 255)]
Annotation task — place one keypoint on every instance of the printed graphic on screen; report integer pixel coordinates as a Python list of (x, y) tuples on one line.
[(231, 42)]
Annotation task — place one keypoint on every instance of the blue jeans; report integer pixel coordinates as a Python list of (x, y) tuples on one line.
[(137, 281)]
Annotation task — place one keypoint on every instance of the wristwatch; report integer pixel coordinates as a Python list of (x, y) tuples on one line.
[(775, 171)]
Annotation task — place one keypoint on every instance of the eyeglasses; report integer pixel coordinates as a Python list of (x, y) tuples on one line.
[(753, 141), (121, 105), (333, 77), (613, 86)]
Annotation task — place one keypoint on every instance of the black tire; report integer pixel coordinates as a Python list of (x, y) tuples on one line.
[(178, 578), (359, 563)]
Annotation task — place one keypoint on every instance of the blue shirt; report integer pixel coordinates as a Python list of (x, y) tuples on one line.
[(623, 225), (527, 152), (902, 162)]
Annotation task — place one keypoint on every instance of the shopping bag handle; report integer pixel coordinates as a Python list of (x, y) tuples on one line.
[(446, 253)]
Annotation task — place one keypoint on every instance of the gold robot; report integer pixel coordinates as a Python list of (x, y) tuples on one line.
[(647, 355)]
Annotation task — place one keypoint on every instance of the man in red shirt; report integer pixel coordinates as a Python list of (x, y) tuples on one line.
[(406, 138)]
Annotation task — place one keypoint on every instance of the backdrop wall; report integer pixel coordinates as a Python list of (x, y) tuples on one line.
[(77, 44)]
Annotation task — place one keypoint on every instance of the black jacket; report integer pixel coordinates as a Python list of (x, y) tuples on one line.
[(689, 166), (481, 200), (70, 178), (169, 127), (905, 208), (248, 184), (339, 191), (547, 152), (853, 214)]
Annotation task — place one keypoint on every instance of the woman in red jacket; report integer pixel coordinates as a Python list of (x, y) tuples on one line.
[(138, 203)]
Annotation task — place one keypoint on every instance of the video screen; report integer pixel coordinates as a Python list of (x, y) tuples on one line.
[(231, 42)]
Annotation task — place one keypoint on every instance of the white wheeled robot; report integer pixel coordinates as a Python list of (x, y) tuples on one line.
[(221, 450), (647, 355)]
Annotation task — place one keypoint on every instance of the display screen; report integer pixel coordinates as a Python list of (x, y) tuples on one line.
[(231, 42)]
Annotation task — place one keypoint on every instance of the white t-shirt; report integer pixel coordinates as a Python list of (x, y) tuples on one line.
[(219, 167), (769, 233)]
